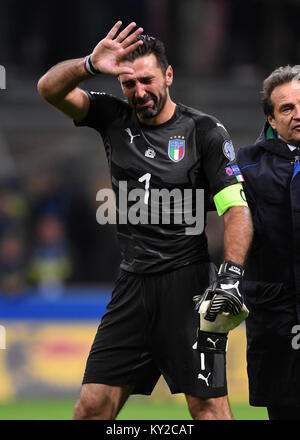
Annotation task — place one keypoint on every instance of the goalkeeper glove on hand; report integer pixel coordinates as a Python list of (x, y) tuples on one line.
[(223, 297), (224, 321)]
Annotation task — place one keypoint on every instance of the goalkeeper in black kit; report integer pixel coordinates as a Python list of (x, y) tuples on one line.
[(156, 146)]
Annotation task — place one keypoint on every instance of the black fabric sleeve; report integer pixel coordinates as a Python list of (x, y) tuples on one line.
[(104, 109), (248, 188), (218, 155)]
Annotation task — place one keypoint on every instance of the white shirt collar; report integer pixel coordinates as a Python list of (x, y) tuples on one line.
[(291, 147)]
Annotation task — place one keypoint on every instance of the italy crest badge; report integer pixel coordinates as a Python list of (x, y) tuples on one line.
[(176, 148)]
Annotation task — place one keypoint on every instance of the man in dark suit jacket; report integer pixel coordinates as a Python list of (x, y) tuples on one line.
[(272, 277)]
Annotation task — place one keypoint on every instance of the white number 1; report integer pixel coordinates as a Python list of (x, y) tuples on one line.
[(146, 178)]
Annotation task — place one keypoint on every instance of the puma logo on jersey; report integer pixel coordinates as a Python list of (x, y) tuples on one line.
[(221, 125), (213, 342), (200, 376), (132, 136)]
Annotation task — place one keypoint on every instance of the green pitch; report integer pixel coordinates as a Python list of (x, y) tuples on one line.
[(135, 409)]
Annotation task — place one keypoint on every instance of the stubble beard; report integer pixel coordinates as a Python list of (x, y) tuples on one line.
[(150, 112)]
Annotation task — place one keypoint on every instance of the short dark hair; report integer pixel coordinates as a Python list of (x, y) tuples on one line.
[(150, 45), (281, 75)]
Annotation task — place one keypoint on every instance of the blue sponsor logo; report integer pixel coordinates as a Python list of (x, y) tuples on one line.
[(233, 170)]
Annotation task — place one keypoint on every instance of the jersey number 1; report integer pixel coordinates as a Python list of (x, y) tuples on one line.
[(146, 178)]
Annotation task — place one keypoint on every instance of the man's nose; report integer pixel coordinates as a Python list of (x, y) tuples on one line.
[(297, 112), (139, 90)]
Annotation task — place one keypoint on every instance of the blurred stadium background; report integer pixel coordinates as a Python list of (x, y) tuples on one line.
[(57, 265)]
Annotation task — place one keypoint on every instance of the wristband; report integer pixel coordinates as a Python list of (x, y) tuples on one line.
[(89, 68), (231, 268)]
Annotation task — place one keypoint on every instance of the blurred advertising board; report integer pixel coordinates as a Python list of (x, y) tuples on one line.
[(47, 343)]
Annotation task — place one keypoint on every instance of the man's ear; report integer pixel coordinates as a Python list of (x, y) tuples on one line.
[(272, 121), (169, 76)]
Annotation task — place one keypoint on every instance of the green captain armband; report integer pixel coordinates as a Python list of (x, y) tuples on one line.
[(232, 195)]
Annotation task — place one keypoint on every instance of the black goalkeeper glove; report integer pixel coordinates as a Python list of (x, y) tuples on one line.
[(223, 293)]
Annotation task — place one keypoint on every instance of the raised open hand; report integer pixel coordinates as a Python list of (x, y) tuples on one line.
[(109, 52)]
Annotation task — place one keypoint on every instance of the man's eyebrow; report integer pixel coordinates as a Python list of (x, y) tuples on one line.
[(141, 79), (128, 81), (146, 77), (286, 104)]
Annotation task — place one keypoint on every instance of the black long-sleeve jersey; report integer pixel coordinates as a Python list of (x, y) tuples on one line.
[(156, 171)]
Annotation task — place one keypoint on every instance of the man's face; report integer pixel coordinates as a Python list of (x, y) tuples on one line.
[(286, 120), (147, 88)]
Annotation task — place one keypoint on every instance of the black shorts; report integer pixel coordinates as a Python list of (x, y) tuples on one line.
[(150, 328)]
